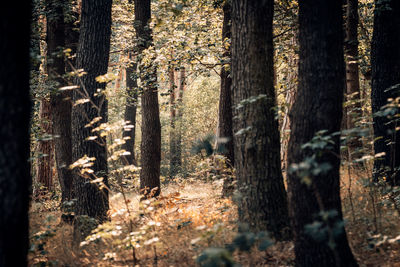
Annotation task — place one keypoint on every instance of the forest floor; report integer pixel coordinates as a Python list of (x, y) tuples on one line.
[(189, 217)]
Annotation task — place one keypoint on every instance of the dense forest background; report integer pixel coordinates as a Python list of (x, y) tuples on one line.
[(202, 132)]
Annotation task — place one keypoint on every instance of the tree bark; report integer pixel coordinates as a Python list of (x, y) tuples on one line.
[(151, 128), (60, 100), (172, 135), (179, 116), (352, 75), (225, 132), (318, 106), (44, 171), (92, 57), (15, 104), (263, 204), (385, 62), (130, 112)]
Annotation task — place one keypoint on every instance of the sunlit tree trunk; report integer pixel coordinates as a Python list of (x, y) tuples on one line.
[(151, 128), (263, 204), (385, 61), (318, 106), (15, 112), (130, 112), (172, 135), (92, 57)]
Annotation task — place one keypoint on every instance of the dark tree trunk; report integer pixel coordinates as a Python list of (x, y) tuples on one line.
[(15, 111), (352, 75), (318, 106), (92, 57), (385, 61), (60, 100), (225, 132), (130, 113), (263, 204), (44, 171), (151, 128)]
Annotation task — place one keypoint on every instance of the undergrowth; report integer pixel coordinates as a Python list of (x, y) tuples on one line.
[(191, 217)]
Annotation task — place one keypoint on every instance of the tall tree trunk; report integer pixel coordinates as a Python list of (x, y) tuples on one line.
[(179, 117), (130, 112), (263, 202), (60, 100), (385, 61), (92, 57), (15, 111), (151, 128), (290, 96), (225, 99), (352, 75), (318, 106), (44, 172), (172, 135)]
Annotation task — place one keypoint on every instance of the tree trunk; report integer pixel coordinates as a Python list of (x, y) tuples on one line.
[(172, 135), (15, 179), (352, 75), (318, 106), (60, 100), (225, 132), (263, 204), (92, 57), (179, 117), (151, 128), (290, 96), (44, 172), (385, 61), (130, 113)]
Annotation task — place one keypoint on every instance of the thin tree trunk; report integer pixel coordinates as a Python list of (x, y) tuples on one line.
[(92, 57), (263, 204), (130, 112), (385, 62), (44, 174), (318, 106), (172, 134), (15, 111), (225, 132), (290, 97), (179, 116), (352, 74), (151, 128)]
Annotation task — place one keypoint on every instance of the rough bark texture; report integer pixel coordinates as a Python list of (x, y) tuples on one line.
[(60, 100), (130, 113), (15, 111), (385, 61), (44, 171), (263, 203), (225, 99), (289, 99), (318, 106), (151, 128), (92, 57), (352, 75)]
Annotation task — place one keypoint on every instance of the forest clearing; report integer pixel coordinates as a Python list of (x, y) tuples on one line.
[(200, 133)]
